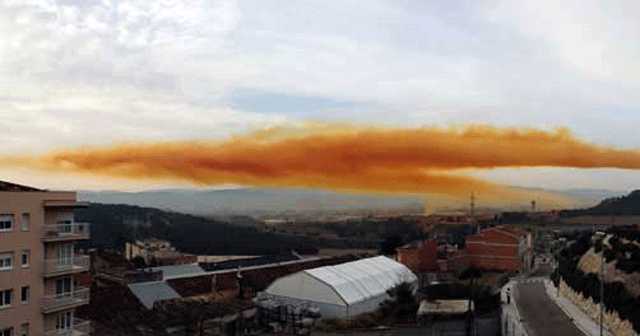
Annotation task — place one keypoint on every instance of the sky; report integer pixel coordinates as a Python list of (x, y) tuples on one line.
[(81, 72)]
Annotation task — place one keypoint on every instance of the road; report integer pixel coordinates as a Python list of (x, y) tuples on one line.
[(542, 317)]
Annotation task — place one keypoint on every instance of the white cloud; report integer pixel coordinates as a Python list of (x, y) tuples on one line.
[(77, 72)]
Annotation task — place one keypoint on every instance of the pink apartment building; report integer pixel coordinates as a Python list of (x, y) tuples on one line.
[(39, 262)]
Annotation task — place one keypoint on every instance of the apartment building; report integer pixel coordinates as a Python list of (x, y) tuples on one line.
[(39, 262)]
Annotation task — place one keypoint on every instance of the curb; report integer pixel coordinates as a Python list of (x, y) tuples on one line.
[(551, 287)]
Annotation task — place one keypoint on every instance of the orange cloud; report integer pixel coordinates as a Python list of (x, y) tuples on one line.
[(371, 159)]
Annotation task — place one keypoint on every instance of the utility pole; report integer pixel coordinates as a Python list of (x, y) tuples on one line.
[(602, 289), (472, 211)]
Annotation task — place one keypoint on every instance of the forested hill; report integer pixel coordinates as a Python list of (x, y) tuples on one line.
[(624, 205), (114, 224)]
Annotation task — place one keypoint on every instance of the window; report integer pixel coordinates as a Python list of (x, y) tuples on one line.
[(25, 257), (6, 332), (6, 223), (64, 320), (24, 329), (25, 222), (24, 294), (6, 261), (65, 254), (64, 286), (5, 298)]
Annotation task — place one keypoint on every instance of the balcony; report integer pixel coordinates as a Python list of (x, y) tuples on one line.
[(58, 302), (57, 267), (79, 328), (64, 232)]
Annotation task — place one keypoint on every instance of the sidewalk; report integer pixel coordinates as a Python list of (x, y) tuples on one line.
[(587, 325), (511, 319)]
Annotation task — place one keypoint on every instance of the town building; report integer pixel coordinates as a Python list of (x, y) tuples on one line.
[(40, 267), (157, 252), (500, 248), (419, 256), (157, 300)]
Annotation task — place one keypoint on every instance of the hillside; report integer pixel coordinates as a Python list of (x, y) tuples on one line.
[(580, 262), (628, 205), (113, 225), (305, 203), (256, 201)]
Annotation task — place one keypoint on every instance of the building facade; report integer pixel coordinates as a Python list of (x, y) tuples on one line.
[(158, 252), (39, 264), (420, 256), (499, 249)]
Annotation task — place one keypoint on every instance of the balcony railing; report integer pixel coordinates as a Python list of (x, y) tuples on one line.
[(60, 232), (60, 266), (79, 328), (56, 302)]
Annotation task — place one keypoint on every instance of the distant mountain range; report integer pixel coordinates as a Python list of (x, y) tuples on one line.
[(254, 201), (628, 205), (265, 202)]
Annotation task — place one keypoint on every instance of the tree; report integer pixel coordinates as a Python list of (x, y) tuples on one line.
[(470, 274), (138, 262), (390, 244), (402, 304)]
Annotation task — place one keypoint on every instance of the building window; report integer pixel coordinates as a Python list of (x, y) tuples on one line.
[(6, 223), (6, 261), (25, 222), (6, 332), (5, 298), (24, 329), (25, 292), (25, 257), (64, 286), (64, 320)]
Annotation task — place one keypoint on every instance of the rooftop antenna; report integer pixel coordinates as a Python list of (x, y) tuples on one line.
[(472, 211)]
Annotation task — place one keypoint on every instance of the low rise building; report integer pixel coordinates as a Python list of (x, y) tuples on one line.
[(419, 256), (157, 251), (498, 248)]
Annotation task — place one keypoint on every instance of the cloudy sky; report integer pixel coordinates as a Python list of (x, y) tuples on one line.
[(78, 72)]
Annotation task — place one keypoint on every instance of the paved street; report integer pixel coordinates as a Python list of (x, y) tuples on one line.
[(542, 317)]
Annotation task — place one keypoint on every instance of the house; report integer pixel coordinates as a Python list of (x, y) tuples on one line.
[(157, 251), (420, 256), (499, 248)]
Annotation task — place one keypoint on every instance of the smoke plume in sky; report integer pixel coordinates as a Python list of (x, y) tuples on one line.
[(425, 160)]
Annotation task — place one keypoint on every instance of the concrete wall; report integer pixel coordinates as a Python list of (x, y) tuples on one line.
[(612, 320), (510, 322)]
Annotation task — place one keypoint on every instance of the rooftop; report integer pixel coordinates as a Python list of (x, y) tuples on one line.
[(148, 293), (8, 186)]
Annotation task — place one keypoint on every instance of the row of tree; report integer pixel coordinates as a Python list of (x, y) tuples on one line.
[(617, 297)]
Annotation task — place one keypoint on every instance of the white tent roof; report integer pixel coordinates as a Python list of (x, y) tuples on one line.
[(362, 279)]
